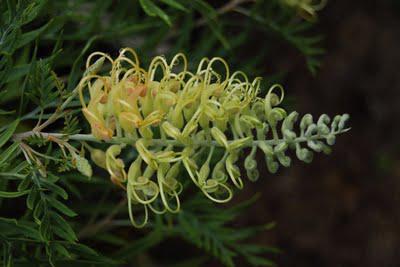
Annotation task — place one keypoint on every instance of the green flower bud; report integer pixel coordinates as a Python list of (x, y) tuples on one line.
[(115, 166), (135, 170), (233, 170), (315, 145), (335, 123), (283, 159), (262, 131), (267, 149), (287, 126), (305, 122), (322, 124), (272, 165), (147, 101), (304, 154), (312, 128), (219, 172), (146, 155), (258, 109), (98, 157), (250, 163), (239, 143), (219, 136), (342, 121), (330, 139), (171, 130), (251, 121), (253, 174)]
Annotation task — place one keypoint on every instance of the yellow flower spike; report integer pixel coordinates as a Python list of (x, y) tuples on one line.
[(174, 117)]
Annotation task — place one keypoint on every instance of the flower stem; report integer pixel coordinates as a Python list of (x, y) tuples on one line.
[(162, 142)]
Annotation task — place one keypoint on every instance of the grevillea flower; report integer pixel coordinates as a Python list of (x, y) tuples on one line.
[(190, 125)]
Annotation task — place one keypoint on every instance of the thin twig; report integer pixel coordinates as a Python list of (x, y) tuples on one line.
[(228, 7), (92, 229), (56, 115)]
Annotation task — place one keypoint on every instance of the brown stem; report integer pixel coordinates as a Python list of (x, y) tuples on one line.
[(92, 229)]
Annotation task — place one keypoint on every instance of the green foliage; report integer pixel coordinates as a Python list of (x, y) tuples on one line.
[(207, 227), (51, 213)]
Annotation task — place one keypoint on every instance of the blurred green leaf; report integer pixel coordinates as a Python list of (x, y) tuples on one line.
[(6, 135), (152, 10), (175, 4), (13, 194)]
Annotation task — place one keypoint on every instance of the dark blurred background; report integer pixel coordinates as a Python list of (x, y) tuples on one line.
[(342, 210)]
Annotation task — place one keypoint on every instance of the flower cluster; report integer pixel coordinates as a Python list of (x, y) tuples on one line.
[(198, 123)]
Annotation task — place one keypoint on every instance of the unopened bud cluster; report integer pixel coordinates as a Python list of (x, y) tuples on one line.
[(199, 123)]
